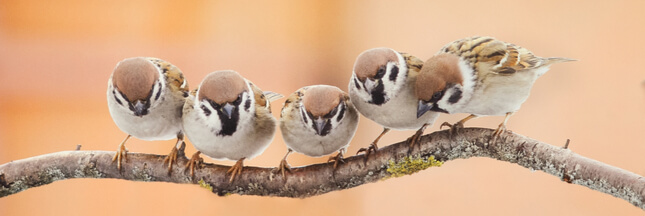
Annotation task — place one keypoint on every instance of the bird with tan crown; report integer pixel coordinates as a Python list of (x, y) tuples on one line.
[(228, 117), (382, 89), (145, 97), (317, 120), (480, 76)]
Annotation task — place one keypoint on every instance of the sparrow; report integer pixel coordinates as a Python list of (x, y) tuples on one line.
[(228, 117), (145, 97), (382, 89), (481, 76), (317, 120)]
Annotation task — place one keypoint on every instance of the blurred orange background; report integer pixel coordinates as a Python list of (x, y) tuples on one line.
[(56, 58)]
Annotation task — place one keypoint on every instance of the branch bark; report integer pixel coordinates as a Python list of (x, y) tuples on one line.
[(316, 179)]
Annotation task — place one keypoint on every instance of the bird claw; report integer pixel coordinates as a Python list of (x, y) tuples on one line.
[(498, 132), (369, 150), (414, 139), (336, 159), (284, 166), (171, 158), (453, 129), (121, 153), (193, 163), (235, 170)]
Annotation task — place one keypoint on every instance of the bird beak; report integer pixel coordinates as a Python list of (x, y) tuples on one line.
[(320, 124), (422, 108), (369, 85), (140, 108), (228, 109)]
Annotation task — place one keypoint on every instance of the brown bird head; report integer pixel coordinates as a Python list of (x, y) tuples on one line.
[(323, 104), (135, 78), (437, 74)]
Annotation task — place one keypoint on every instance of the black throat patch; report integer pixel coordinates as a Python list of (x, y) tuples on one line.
[(378, 94), (229, 125)]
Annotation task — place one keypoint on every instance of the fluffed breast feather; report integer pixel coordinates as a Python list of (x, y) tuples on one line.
[(488, 55)]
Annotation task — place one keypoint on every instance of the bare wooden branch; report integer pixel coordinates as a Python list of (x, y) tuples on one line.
[(316, 179)]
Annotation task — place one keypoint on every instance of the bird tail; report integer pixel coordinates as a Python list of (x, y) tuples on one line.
[(272, 96), (553, 60)]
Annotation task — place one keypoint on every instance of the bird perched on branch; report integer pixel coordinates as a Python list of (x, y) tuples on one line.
[(382, 89), (145, 97), (317, 120), (228, 117), (480, 76)]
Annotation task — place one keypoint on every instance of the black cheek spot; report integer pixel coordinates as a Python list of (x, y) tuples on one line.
[(341, 114), (207, 112), (158, 93), (304, 116), (454, 98), (394, 73), (358, 86), (247, 105), (117, 100)]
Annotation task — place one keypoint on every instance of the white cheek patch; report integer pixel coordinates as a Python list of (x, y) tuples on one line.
[(468, 75), (364, 95), (120, 99)]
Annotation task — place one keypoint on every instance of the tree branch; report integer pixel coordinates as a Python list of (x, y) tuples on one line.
[(316, 179)]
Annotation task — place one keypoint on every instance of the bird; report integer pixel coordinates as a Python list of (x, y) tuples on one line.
[(317, 120), (228, 117), (145, 98), (481, 76), (382, 89)]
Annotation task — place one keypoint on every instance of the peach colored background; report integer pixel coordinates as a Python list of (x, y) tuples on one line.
[(56, 57)]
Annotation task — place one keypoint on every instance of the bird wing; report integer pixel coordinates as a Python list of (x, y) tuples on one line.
[(488, 55), (294, 100), (264, 98), (174, 77), (414, 63)]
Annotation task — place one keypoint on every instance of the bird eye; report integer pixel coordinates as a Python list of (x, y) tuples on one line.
[(214, 105), (380, 72), (437, 95), (207, 112), (331, 113), (239, 99)]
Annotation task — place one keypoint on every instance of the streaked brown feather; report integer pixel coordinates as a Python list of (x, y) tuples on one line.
[(294, 99), (488, 55), (414, 64), (174, 76)]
